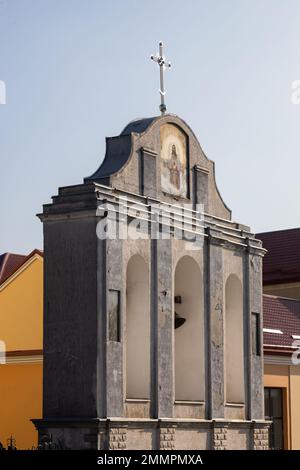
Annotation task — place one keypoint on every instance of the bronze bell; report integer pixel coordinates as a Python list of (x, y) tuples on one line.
[(178, 320)]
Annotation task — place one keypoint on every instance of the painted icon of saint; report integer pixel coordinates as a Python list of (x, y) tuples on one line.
[(174, 168)]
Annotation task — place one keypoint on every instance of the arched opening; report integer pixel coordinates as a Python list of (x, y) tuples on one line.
[(234, 340), (137, 329), (189, 337)]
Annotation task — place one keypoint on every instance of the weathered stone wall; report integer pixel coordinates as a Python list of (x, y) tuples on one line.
[(260, 437), (70, 317), (85, 368), (117, 438), (167, 438), (163, 435), (128, 178), (220, 437)]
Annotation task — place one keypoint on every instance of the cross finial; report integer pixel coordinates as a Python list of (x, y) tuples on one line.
[(162, 63)]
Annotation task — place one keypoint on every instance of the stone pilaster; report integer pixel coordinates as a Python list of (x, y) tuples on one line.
[(165, 327), (201, 187), (117, 438), (154, 332), (114, 349), (167, 438), (253, 281), (215, 324)]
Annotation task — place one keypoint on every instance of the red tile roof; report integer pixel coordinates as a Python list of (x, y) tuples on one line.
[(282, 262), (282, 314), (11, 262)]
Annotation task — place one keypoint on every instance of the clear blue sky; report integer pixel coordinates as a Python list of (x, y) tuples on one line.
[(77, 71)]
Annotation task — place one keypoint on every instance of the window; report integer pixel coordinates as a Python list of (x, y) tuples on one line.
[(274, 413), (255, 331), (114, 315)]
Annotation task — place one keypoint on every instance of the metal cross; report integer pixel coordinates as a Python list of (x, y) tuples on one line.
[(162, 63)]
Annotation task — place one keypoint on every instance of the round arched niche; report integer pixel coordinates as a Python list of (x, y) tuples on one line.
[(189, 338), (137, 329), (234, 340)]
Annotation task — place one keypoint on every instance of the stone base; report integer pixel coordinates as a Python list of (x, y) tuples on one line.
[(152, 434), (260, 437)]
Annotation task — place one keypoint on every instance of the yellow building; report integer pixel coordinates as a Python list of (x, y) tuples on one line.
[(281, 308), (21, 336)]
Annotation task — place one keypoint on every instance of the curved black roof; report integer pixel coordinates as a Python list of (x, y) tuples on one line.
[(118, 149), (138, 125)]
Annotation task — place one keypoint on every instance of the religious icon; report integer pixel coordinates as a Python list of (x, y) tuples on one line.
[(173, 161), (174, 167)]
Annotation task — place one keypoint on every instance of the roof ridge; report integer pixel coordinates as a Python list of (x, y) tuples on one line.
[(18, 265), (278, 231), (281, 297), (4, 263)]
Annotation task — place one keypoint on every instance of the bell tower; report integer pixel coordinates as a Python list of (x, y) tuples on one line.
[(153, 303)]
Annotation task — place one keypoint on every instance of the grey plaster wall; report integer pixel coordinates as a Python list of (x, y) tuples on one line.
[(70, 318)]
